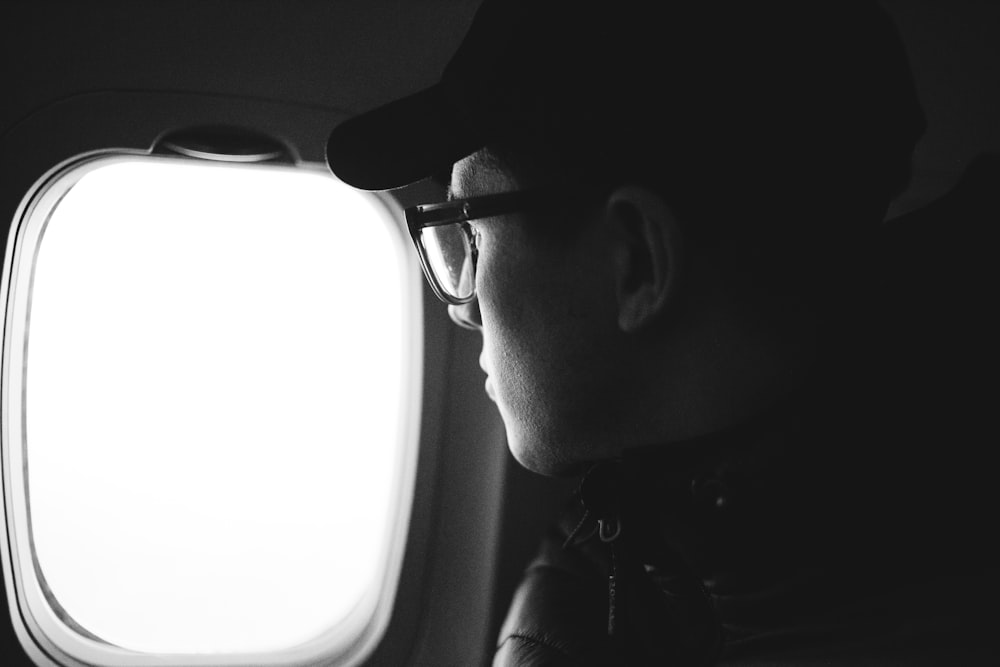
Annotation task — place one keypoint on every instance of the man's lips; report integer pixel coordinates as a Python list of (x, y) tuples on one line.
[(488, 385)]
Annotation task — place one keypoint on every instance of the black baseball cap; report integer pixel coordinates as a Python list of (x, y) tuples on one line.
[(728, 87)]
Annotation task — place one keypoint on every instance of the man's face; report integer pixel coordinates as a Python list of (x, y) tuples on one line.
[(545, 309)]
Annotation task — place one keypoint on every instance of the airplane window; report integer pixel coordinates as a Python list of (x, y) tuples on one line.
[(214, 408)]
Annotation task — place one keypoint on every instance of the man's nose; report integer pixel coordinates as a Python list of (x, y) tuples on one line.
[(467, 315)]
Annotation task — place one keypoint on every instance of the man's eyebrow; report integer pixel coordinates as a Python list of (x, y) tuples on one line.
[(449, 194)]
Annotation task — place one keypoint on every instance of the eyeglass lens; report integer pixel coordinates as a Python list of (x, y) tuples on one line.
[(449, 254)]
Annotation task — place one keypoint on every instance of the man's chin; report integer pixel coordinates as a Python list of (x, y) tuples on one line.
[(540, 456)]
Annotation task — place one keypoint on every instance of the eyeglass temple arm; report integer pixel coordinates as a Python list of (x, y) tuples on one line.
[(426, 215)]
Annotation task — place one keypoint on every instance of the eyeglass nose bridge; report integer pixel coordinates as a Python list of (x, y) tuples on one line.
[(466, 315)]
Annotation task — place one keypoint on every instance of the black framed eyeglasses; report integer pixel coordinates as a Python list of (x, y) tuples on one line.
[(446, 244)]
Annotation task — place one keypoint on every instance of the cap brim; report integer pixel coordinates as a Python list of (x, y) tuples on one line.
[(400, 143)]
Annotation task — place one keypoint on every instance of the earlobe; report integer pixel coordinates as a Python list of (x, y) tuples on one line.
[(646, 257)]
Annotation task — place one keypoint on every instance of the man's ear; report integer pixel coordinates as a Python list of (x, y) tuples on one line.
[(647, 254)]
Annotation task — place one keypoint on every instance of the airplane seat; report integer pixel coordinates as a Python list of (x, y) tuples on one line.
[(934, 279), (935, 337)]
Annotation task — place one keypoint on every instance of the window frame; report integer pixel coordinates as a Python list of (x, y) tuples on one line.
[(37, 622)]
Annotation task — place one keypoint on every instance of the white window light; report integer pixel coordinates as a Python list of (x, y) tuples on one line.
[(210, 402)]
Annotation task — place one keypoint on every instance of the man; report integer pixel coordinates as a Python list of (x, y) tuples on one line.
[(664, 221)]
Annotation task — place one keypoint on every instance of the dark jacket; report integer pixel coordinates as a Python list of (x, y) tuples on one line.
[(853, 524)]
